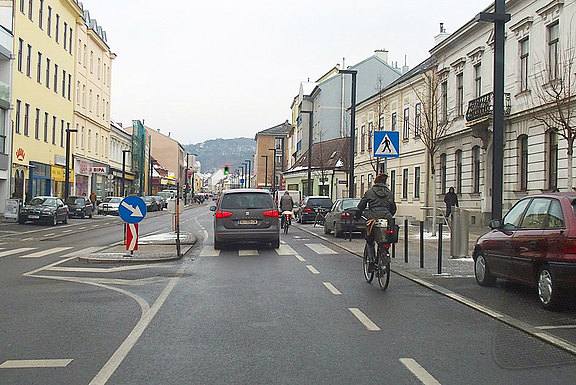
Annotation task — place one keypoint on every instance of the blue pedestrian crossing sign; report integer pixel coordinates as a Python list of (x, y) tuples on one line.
[(386, 144), (132, 209)]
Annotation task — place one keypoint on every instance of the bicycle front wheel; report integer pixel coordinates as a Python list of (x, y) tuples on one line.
[(368, 274), (286, 225), (383, 268)]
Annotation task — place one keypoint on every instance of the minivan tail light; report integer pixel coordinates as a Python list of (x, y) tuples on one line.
[(307, 211), (345, 216), (223, 214), (271, 213), (570, 246)]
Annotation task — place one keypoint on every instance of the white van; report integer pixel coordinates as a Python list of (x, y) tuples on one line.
[(295, 194)]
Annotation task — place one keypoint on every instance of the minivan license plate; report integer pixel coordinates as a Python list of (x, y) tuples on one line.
[(247, 222)]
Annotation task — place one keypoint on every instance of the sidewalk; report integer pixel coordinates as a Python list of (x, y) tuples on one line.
[(451, 267)]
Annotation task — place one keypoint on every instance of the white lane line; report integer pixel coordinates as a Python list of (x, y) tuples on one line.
[(27, 239), (285, 250), (247, 253), (102, 269), (332, 289), (19, 364), (67, 231), (209, 251), (15, 251), (421, 373), (49, 234), (300, 258), (320, 249), (82, 228), (371, 326), (43, 253), (551, 327), (283, 242), (312, 269)]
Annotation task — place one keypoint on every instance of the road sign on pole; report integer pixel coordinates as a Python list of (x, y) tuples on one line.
[(386, 144), (132, 209), (132, 236)]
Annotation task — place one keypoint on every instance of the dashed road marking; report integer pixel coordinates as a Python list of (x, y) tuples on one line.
[(312, 269), (285, 250), (209, 251), (49, 234), (320, 249), (332, 289), (15, 251), (43, 253), (371, 326), (20, 364), (300, 258), (551, 327), (421, 373), (247, 253)]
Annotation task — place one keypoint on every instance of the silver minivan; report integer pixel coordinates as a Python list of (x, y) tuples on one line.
[(245, 216)]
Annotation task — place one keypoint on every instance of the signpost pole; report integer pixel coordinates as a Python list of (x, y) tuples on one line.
[(178, 219)]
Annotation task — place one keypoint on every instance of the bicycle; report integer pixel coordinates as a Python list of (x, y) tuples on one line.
[(320, 216), (377, 262), (286, 220)]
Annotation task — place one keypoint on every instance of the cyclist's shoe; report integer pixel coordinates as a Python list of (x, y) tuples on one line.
[(372, 267)]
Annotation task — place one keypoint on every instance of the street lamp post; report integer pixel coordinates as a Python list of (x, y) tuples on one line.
[(351, 186), (249, 172), (273, 170), (310, 132), (186, 185), (67, 168), (266, 173), (123, 193)]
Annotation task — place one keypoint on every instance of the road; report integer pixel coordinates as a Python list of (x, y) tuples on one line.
[(302, 314)]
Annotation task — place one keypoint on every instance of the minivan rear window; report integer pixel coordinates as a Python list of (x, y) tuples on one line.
[(246, 201), (323, 202)]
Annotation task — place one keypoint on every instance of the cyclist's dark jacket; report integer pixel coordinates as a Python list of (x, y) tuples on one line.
[(286, 203), (380, 202)]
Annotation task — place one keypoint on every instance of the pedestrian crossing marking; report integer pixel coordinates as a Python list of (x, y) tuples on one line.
[(43, 253), (320, 249), (209, 251), (15, 251), (246, 253), (285, 250)]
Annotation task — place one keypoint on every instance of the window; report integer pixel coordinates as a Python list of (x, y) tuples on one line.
[(405, 183), (20, 48), (30, 8), (524, 52), (98, 68), (512, 219), (28, 60), (63, 83), (96, 145), (78, 93), (57, 31), (553, 51), (47, 73), (77, 130), (555, 216), (394, 121), (478, 80), (417, 182), (17, 122), (90, 101), (54, 130), (39, 68), (46, 127), (417, 119), (476, 169), (443, 173), (61, 133), (91, 62), (98, 106), (459, 171), (89, 140), (362, 187), (370, 180), (70, 41), (84, 56), (460, 94), (22, 6), (26, 118), (82, 138), (56, 78), (370, 137), (406, 124), (362, 142), (393, 182), (552, 139), (79, 51), (37, 125), (381, 122), (536, 214), (49, 21), (444, 101), (69, 87), (65, 39), (40, 10), (83, 96), (523, 152)]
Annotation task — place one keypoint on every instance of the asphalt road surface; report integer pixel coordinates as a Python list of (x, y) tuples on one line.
[(302, 314)]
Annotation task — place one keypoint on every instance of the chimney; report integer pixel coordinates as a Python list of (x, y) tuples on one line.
[(405, 67), (441, 36), (382, 54), (168, 133)]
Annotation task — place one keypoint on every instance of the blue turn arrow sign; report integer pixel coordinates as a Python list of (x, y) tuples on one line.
[(132, 209)]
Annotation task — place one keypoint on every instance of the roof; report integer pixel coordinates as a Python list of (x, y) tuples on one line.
[(328, 154), (281, 129)]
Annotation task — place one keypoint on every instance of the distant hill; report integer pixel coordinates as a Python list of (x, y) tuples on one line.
[(217, 153)]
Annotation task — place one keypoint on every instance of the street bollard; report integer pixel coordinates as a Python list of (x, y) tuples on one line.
[(421, 244), (406, 240), (440, 247)]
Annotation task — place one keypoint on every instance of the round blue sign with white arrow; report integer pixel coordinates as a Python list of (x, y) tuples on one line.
[(132, 209)]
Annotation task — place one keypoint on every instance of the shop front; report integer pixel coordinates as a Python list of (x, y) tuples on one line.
[(99, 180), (40, 179), (117, 182), (58, 180), (82, 177)]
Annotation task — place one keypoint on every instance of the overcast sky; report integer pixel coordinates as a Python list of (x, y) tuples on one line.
[(223, 69)]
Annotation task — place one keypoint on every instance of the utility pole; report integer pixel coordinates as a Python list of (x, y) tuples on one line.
[(351, 186)]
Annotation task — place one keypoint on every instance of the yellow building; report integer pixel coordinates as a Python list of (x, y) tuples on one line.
[(93, 63), (43, 76)]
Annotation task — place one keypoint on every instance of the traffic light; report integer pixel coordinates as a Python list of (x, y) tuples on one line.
[(226, 170)]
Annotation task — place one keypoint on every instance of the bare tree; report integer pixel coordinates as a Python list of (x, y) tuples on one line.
[(380, 108), (554, 97)]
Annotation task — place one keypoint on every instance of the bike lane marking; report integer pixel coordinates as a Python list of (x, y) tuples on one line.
[(421, 373), (284, 249), (371, 326), (312, 269), (320, 249), (209, 251), (298, 257), (332, 288), (247, 253)]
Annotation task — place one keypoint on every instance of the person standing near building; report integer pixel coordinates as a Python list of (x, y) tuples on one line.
[(451, 199)]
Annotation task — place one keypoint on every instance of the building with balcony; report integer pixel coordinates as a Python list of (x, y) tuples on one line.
[(6, 44)]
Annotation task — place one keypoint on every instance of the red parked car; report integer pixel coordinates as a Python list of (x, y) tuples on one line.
[(535, 243)]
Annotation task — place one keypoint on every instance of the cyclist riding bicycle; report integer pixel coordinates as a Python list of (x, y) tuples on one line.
[(286, 204), (380, 204)]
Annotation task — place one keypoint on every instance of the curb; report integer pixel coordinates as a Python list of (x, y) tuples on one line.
[(103, 257), (510, 321)]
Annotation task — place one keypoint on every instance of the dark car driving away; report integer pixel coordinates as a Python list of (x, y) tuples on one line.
[(535, 243), (340, 219), (44, 209), (79, 207), (310, 205), (245, 215)]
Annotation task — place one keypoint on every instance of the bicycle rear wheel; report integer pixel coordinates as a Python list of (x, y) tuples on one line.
[(286, 225), (368, 251), (383, 268)]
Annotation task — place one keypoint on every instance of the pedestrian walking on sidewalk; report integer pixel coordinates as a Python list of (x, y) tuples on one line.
[(451, 199)]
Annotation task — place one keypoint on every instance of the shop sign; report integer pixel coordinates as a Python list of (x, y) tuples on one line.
[(60, 160), (99, 170), (12, 208), (84, 168), (20, 154), (58, 174)]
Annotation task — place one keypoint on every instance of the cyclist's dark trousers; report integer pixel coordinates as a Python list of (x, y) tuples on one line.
[(284, 219)]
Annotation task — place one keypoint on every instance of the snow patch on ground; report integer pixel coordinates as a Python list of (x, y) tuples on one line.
[(429, 236), (160, 237)]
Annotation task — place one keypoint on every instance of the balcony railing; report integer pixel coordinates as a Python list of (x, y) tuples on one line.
[(5, 39), (484, 106)]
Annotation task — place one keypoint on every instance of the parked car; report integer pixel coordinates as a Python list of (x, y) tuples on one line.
[(246, 215), (309, 207), (79, 207), (44, 209), (151, 203), (340, 219), (535, 243), (162, 202), (109, 206)]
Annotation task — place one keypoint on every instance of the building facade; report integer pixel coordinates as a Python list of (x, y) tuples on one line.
[(271, 158), (6, 46)]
